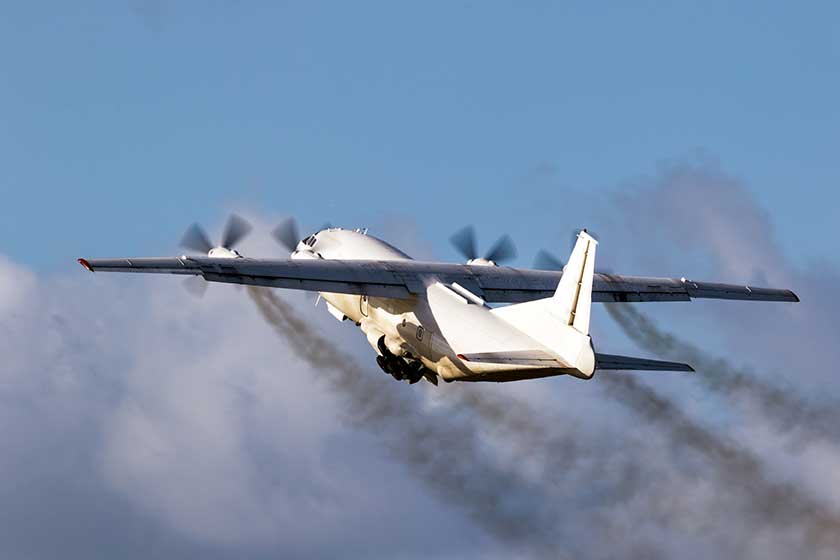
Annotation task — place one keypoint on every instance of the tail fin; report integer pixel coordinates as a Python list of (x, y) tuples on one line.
[(561, 323), (572, 302)]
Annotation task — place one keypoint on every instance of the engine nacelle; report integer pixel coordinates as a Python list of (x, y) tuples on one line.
[(481, 261), (223, 253), (303, 255)]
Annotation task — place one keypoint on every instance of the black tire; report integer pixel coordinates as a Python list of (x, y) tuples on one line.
[(381, 345)]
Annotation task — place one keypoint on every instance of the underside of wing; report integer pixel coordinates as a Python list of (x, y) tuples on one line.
[(371, 278), (617, 288), (406, 278)]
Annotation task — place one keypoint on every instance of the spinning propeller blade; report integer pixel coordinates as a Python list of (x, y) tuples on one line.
[(235, 231), (503, 250), (286, 233), (464, 240), (546, 261), (195, 238)]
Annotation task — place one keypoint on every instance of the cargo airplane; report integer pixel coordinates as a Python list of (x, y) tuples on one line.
[(434, 320)]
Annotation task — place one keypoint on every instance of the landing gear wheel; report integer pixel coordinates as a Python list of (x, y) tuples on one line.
[(415, 372)]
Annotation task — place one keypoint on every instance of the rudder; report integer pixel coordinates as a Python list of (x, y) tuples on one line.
[(572, 301)]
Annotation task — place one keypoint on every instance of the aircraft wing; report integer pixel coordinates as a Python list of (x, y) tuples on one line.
[(405, 278)]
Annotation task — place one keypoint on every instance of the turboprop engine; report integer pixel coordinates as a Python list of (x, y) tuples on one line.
[(196, 239), (465, 242)]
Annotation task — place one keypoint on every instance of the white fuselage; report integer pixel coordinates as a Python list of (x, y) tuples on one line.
[(406, 324)]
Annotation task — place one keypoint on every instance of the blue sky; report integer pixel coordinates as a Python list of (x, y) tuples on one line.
[(124, 122), (696, 139)]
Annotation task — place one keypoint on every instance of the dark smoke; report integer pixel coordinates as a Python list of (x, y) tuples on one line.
[(769, 503), (446, 451), (784, 407), (424, 447)]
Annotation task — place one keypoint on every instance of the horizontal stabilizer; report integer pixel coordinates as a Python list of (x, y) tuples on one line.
[(611, 361), (519, 358)]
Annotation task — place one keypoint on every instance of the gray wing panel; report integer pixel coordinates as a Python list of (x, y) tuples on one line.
[(402, 278), (160, 265), (350, 277), (615, 288)]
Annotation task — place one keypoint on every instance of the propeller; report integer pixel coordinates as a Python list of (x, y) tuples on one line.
[(286, 234), (546, 260), (235, 231), (464, 240), (196, 239)]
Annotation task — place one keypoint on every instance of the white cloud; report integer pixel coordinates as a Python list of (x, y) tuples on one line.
[(193, 415), (189, 426)]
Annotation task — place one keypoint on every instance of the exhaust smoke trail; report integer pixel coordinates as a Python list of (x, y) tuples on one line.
[(773, 503), (425, 447), (739, 473), (784, 407), (446, 452)]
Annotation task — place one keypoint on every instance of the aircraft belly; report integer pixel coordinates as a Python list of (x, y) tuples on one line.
[(400, 323)]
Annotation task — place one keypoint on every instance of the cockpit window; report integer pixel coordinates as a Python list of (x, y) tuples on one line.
[(311, 240)]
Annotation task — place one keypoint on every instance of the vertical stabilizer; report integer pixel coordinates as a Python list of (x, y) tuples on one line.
[(561, 322), (572, 302)]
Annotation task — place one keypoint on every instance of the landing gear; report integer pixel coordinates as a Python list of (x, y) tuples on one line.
[(415, 372), (397, 367), (391, 365)]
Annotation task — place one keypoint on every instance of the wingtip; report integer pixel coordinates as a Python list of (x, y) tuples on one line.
[(85, 264), (795, 297)]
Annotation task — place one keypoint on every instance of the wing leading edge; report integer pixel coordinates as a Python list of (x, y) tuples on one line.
[(405, 278)]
